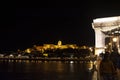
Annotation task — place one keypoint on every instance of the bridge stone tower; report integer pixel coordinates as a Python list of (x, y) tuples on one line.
[(105, 27)]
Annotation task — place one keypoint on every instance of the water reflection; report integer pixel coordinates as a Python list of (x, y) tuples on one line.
[(60, 67), (71, 66), (56, 70)]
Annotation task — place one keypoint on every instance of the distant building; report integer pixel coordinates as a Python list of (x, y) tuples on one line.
[(59, 45)]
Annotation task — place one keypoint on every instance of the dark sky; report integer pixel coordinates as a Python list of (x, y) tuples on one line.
[(37, 22)]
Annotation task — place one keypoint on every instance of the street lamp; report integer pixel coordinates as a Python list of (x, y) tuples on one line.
[(114, 39)]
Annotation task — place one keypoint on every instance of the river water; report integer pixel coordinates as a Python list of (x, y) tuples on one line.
[(52, 70)]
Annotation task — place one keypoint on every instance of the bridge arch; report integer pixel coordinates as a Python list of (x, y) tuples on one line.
[(107, 27)]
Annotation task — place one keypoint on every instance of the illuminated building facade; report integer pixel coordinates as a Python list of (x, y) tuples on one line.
[(59, 45), (104, 28)]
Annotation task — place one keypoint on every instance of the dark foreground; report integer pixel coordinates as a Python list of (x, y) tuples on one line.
[(48, 70), (52, 70)]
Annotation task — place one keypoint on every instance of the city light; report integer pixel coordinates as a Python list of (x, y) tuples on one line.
[(114, 39)]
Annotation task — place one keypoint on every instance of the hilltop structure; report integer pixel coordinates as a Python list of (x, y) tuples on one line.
[(59, 45)]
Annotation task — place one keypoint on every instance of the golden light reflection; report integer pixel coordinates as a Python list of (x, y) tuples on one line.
[(60, 66)]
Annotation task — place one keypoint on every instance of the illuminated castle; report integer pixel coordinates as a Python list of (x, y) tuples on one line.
[(59, 45), (52, 46)]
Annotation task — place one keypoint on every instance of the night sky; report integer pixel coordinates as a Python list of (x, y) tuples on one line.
[(36, 23)]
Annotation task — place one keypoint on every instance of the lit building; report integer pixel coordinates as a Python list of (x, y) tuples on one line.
[(59, 45), (106, 27)]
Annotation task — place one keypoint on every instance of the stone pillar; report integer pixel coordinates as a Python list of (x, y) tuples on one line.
[(99, 41), (118, 44)]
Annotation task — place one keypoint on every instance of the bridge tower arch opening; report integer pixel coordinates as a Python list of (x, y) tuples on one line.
[(107, 34)]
